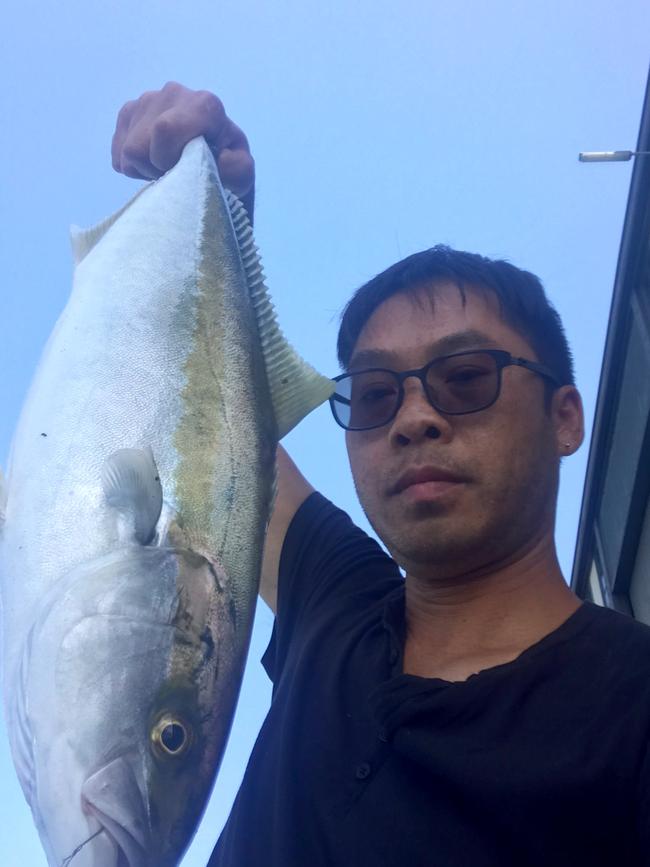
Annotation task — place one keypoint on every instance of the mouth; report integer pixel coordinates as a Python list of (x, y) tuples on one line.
[(112, 797), (127, 850), (78, 848), (426, 482), (106, 851)]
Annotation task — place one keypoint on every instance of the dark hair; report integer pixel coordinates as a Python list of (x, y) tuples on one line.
[(522, 301)]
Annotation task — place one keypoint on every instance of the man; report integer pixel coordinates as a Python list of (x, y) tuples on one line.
[(475, 713)]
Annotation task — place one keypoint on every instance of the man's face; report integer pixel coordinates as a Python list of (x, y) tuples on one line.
[(500, 464)]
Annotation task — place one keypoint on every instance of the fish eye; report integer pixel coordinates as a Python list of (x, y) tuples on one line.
[(171, 736)]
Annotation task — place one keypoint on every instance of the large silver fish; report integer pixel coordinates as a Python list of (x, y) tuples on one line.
[(133, 517)]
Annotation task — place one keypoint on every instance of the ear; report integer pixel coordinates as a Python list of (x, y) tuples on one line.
[(568, 420)]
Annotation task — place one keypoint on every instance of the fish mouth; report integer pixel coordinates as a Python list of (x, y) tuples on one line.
[(128, 851), (113, 798)]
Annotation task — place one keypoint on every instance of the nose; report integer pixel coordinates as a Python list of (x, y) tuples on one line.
[(417, 420)]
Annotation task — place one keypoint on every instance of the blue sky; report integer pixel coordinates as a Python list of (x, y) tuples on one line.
[(378, 130)]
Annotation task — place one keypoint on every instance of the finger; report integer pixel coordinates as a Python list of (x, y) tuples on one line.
[(201, 113), (234, 160), (133, 167), (130, 146), (121, 129), (131, 172), (236, 170), (233, 137), (169, 135), (134, 156)]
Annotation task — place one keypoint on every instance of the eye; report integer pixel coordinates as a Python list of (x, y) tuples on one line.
[(171, 736), (380, 392), (371, 388), (462, 375)]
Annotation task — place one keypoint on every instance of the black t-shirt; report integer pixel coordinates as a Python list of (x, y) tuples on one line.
[(540, 762)]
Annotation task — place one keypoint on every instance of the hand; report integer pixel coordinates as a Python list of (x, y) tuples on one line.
[(152, 131)]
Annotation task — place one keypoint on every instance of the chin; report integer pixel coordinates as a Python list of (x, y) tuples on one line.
[(425, 546), (417, 557), (429, 542)]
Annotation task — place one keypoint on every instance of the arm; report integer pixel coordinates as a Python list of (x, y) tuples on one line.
[(293, 490), (149, 138)]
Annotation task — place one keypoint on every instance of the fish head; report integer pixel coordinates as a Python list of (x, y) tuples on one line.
[(128, 705)]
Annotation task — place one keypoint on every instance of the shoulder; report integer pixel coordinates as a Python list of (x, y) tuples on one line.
[(617, 646), (326, 559), (323, 539), (331, 572), (618, 626)]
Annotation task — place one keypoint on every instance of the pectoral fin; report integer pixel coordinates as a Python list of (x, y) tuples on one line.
[(132, 487), (296, 388)]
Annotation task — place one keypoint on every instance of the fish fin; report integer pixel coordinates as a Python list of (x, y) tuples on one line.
[(296, 388), (83, 240), (3, 499), (132, 486)]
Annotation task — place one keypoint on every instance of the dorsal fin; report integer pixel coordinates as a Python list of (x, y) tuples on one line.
[(83, 240), (132, 487), (296, 388)]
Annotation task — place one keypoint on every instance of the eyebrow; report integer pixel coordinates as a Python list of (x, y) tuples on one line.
[(469, 339)]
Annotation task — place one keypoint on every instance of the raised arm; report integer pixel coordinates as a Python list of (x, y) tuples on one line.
[(149, 138), (293, 490)]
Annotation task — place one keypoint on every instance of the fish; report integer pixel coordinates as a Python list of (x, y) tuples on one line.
[(139, 487)]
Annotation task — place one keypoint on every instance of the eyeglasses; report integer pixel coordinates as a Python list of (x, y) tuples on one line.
[(455, 384)]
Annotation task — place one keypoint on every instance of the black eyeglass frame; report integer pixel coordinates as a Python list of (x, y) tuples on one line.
[(501, 356)]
